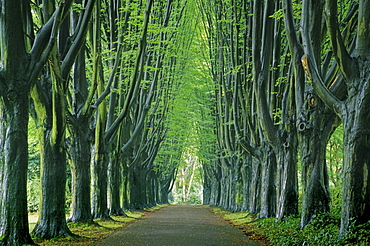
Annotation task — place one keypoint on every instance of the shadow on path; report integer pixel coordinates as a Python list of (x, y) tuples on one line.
[(178, 225)]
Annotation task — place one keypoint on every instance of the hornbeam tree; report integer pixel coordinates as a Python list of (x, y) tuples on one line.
[(49, 100), (85, 102), (354, 109), (266, 45), (315, 120), (22, 60)]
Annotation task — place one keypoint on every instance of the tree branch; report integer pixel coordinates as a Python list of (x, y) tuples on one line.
[(291, 32), (78, 40), (296, 50), (310, 65), (344, 60), (42, 38), (46, 38), (134, 79), (260, 84), (251, 150), (112, 78), (145, 108)]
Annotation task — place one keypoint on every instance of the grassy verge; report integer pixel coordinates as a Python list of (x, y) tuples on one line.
[(89, 233), (323, 230), (243, 221)]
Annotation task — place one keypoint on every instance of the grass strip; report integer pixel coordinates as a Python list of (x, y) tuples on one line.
[(89, 233)]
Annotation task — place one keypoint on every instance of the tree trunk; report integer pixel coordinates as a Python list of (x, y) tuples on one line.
[(73, 50), (14, 108), (114, 180), (152, 189), (207, 185), (100, 160), (315, 120), (163, 192), (212, 191), (126, 177), (99, 175), (80, 161), (234, 183), (137, 189), (52, 222), (80, 140), (287, 178), (315, 126), (224, 185), (255, 187), (268, 187), (246, 177), (356, 163), (216, 184), (100, 165), (14, 228)]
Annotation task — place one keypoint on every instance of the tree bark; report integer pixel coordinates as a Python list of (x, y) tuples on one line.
[(356, 163), (255, 187), (14, 108), (99, 177), (100, 159), (353, 110), (268, 185), (100, 169), (80, 161), (51, 120), (315, 127), (288, 179), (14, 228), (138, 185), (114, 181), (315, 121)]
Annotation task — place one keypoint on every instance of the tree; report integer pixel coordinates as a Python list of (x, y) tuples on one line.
[(315, 121), (79, 117), (49, 96), (353, 110), (222, 29), (19, 70), (100, 161), (85, 101)]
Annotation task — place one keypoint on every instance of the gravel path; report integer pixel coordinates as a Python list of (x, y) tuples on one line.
[(179, 225)]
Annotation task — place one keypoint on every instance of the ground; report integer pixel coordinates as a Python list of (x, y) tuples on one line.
[(179, 225)]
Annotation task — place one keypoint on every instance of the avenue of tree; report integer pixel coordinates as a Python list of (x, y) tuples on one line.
[(126, 95)]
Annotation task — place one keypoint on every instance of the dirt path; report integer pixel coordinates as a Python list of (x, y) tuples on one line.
[(179, 225)]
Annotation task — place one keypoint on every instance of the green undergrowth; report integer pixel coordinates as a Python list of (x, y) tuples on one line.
[(323, 230), (89, 233)]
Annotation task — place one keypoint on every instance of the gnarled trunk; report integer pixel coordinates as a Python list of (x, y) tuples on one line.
[(52, 123), (255, 187), (52, 222), (114, 180), (315, 127), (99, 179), (14, 110), (14, 228), (288, 178), (356, 163), (80, 160), (268, 187)]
